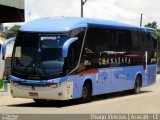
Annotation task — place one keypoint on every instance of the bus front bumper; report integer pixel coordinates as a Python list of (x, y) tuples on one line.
[(61, 91)]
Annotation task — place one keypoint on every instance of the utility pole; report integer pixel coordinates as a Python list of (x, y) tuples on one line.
[(82, 4), (141, 20), (29, 16)]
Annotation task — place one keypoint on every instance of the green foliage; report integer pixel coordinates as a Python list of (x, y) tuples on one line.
[(1, 84), (11, 32), (152, 25), (4, 34)]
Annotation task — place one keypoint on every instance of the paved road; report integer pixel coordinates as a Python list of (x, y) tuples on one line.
[(148, 101)]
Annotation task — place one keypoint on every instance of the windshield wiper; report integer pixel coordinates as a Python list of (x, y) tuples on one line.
[(32, 62), (26, 68)]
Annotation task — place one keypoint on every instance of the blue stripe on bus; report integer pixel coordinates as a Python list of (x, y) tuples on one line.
[(56, 80), (116, 79)]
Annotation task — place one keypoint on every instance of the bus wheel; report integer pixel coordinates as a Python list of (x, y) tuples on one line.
[(86, 93), (137, 85), (40, 101)]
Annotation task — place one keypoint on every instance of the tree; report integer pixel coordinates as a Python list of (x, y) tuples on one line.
[(11, 32), (4, 34), (152, 25)]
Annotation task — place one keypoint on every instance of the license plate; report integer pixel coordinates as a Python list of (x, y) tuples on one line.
[(33, 94)]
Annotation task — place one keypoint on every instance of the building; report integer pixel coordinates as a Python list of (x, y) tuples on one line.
[(11, 11)]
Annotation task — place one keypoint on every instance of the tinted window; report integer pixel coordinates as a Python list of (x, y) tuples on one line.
[(99, 40), (75, 48), (52, 41), (138, 41), (122, 40), (37, 54), (153, 41)]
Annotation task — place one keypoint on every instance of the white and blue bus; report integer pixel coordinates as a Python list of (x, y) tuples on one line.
[(69, 58)]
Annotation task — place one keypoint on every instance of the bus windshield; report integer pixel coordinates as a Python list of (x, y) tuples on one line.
[(38, 54)]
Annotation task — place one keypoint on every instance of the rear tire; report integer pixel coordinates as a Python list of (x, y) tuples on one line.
[(86, 93), (137, 86)]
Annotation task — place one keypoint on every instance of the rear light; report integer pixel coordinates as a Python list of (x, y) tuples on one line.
[(144, 65), (144, 62)]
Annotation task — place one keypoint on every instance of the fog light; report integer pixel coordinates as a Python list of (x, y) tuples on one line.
[(60, 94)]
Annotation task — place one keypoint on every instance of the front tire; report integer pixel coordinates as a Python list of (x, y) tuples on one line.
[(86, 93)]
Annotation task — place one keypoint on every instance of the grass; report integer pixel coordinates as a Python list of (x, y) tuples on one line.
[(1, 84)]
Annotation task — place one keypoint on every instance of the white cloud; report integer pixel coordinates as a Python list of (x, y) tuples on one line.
[(127, 11), (50, 8), (149, 8)]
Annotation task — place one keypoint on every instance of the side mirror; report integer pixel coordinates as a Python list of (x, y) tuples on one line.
[(66, 46), (8, 41)]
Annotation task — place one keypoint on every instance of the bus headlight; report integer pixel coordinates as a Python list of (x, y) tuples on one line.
[(53, 85), (14, 83)]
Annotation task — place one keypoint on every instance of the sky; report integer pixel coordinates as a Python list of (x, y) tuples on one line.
[(127, 11)]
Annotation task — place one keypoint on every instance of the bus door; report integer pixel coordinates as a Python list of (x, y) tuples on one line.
[(151, 57), (151, 74)]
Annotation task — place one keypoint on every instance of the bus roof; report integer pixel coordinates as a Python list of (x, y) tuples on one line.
[(63, 24), (148, 29)]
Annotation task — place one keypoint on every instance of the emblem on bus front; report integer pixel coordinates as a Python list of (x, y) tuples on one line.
[(33, 88)]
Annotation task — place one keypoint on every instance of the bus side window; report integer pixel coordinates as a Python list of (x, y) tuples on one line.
[(154, 40), (75, 48), (138, 41), (149, 42), (135, 41), (122, 40), (72, 58), (99, 40)]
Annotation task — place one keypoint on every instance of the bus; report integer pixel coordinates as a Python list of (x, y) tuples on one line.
[(77, 58)]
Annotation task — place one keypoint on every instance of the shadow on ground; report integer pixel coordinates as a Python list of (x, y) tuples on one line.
[(59, 104)]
